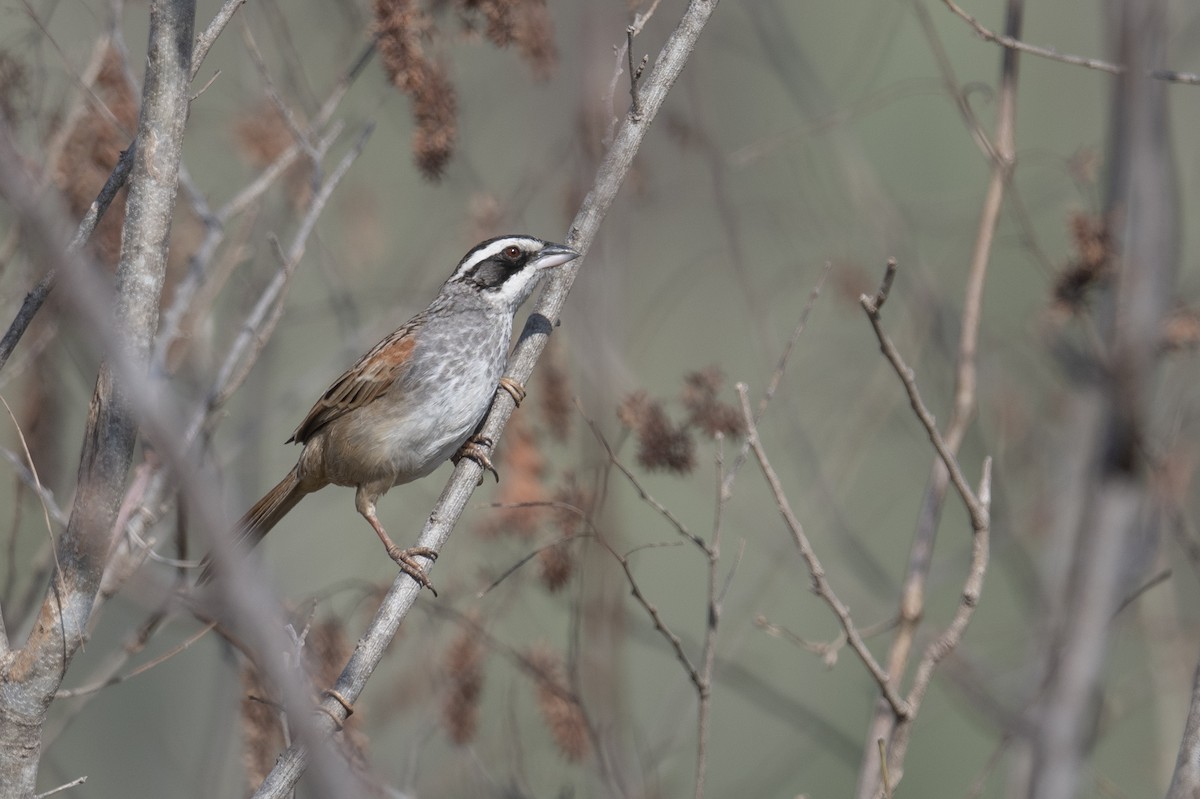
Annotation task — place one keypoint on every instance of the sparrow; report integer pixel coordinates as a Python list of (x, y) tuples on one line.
[(416, 398)]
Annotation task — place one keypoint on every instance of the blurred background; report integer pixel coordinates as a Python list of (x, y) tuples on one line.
[(804, 145)]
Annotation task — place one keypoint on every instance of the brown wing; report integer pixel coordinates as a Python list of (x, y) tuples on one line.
[(362, 383)]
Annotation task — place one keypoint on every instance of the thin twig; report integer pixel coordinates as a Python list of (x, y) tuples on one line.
[(660, 508), (655, 617), (140, 643), (41, 492), (639, 21), (716, 595), (205, 40), (776, 378), (63, 787), (926, 418), (828, 650), (257, 328), (529, 556), (821, 586)]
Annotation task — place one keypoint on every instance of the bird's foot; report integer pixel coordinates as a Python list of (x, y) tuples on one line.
[(514, 389), (404, 558), (475, 449)]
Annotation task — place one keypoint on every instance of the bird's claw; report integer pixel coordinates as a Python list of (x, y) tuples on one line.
[(514, 389), (475, 449), (404, 558)]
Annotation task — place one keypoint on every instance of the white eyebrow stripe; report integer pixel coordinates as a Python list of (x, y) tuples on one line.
[(487, 249)]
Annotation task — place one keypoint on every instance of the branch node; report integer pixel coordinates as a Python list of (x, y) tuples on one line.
[(634, 74)]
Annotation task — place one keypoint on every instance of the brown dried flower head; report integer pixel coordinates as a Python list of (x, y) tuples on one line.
[(561, 713), (524, 467), (707, 413), (633, 410), (663, 445), (578, 502), (400, 26), (1092, 262), (555, 566), (524, 24), (91, 149), (328, 650), (460, 705), (555, 394)]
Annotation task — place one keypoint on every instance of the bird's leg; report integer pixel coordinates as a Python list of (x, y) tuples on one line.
[(404, 558), (514, 389), (475, 448)]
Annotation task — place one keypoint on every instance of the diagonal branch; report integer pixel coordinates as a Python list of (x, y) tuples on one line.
[(612, 172)]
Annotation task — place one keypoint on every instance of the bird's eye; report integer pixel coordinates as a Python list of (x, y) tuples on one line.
[(512, 251)]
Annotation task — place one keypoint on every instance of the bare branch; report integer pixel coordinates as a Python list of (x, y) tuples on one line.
[(1001, 150), (821, 586), (974, 507)]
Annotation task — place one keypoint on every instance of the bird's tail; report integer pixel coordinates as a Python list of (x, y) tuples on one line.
[(261, 517)]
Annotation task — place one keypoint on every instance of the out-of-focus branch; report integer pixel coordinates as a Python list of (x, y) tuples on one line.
[(1185, 781), (199, 272), (34, 673), (116, 180), (1011, 42), (1114, 494), (611, 174)]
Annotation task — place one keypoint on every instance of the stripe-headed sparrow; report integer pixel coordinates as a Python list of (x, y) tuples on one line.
[(417, 397)]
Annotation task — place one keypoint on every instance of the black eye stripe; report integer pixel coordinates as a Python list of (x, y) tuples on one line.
[(493, 272)]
